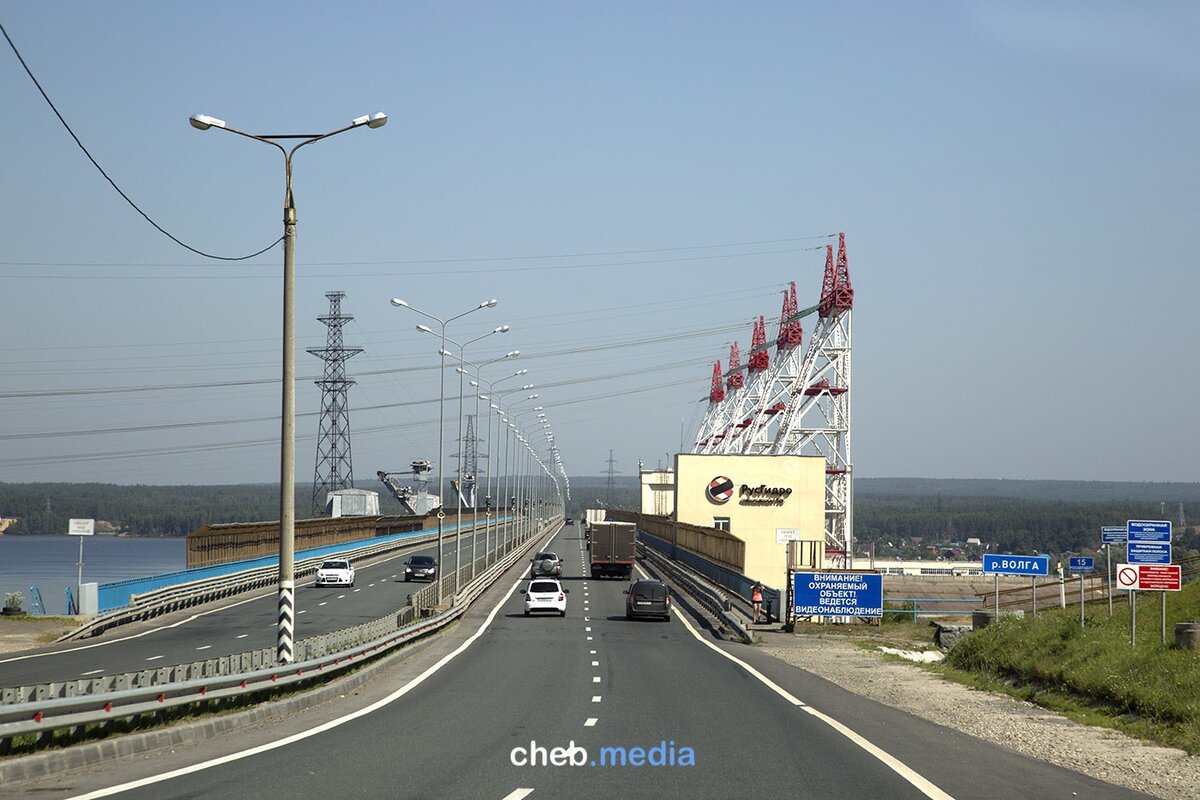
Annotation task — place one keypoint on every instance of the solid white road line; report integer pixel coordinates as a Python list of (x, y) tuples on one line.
[(591, 722), (517, 794), (918, 781), (331, 724)]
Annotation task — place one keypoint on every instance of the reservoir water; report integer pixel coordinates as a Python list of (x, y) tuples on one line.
[(48, 562)]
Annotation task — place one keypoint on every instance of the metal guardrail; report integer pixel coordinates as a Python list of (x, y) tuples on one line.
[(74, 704), (706, 595), (916, 611), (726, 578), (173, 598)]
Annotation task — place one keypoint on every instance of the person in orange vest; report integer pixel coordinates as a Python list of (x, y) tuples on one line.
[(756, 597)]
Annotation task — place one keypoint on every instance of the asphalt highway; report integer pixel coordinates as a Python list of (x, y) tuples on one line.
[(643, 709), (232, 626)]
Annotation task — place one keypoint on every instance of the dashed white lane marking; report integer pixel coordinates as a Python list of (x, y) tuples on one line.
[(302, 611), (589, 638), (595, 679), (369, 585), (591, 722), (517, 794), (595, 698), (323, 602), (595, 663), (922, 784), (93, 672), (155, 658), (341, 597), (588, 629), (585, 594), (242, 635), (319, 729), (358, 590), (592, 652), (204, 647), (137, 635)]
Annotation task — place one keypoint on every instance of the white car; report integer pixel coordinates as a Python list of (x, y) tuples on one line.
[(545, 594), (335, 572)]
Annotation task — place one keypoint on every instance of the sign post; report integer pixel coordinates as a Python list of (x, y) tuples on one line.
[(1002, 564), (1081, 565), (81, 528), (1147, 578), (1149, 542), (1110, 535)]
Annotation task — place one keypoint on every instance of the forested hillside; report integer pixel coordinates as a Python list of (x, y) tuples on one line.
[(1017, 516)]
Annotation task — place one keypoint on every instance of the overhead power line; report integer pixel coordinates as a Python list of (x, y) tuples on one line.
[(430, 261), (113, 183)]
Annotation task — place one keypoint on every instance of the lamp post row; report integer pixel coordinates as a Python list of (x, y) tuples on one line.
[(287, 477)]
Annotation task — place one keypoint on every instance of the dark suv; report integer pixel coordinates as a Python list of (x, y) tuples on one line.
[(648, 599), (545, 563)]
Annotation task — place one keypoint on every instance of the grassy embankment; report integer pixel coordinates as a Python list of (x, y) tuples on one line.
[(1092, 675)]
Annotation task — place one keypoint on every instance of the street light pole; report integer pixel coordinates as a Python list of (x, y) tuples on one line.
[(441, 515), (287, 447), (461, 452)]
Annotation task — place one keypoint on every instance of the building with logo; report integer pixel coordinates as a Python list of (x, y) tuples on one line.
[(765, 501)]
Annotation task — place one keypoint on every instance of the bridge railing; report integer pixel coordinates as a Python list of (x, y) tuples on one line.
[(238, 579)]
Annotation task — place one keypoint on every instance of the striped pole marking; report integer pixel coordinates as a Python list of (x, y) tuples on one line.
[(287, 590)]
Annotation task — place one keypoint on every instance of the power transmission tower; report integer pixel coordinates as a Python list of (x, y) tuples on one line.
[(611, 485), (334, 468), (470, 456)]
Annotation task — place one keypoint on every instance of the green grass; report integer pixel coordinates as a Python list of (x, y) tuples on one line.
[(1092, 674)]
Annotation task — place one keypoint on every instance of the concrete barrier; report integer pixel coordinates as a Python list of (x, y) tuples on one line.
[(1187, 635), (982, 617)]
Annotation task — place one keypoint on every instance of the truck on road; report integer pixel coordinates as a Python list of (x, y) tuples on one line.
[(612, 549)]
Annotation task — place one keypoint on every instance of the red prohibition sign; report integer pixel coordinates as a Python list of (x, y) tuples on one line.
[(1127, 576)]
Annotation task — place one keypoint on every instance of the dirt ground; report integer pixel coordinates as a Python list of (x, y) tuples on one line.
[(28, 632)]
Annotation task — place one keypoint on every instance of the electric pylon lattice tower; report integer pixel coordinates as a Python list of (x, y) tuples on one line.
[(610, 486), (334, 467), (800, 404)]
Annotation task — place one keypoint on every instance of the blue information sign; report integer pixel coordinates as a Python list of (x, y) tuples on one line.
[(1112, 534), (837, 594), (1016, 565), (1148, 552), (1081, 564), (1141, 530)]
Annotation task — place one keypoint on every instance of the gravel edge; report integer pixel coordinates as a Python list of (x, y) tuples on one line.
[(1101, 753)]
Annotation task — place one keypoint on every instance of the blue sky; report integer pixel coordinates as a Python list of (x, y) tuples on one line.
[(1017, 183)]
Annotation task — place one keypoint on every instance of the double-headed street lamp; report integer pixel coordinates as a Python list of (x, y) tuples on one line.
[(477, 383), (462, 347), (441, 515), (287, 454)]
